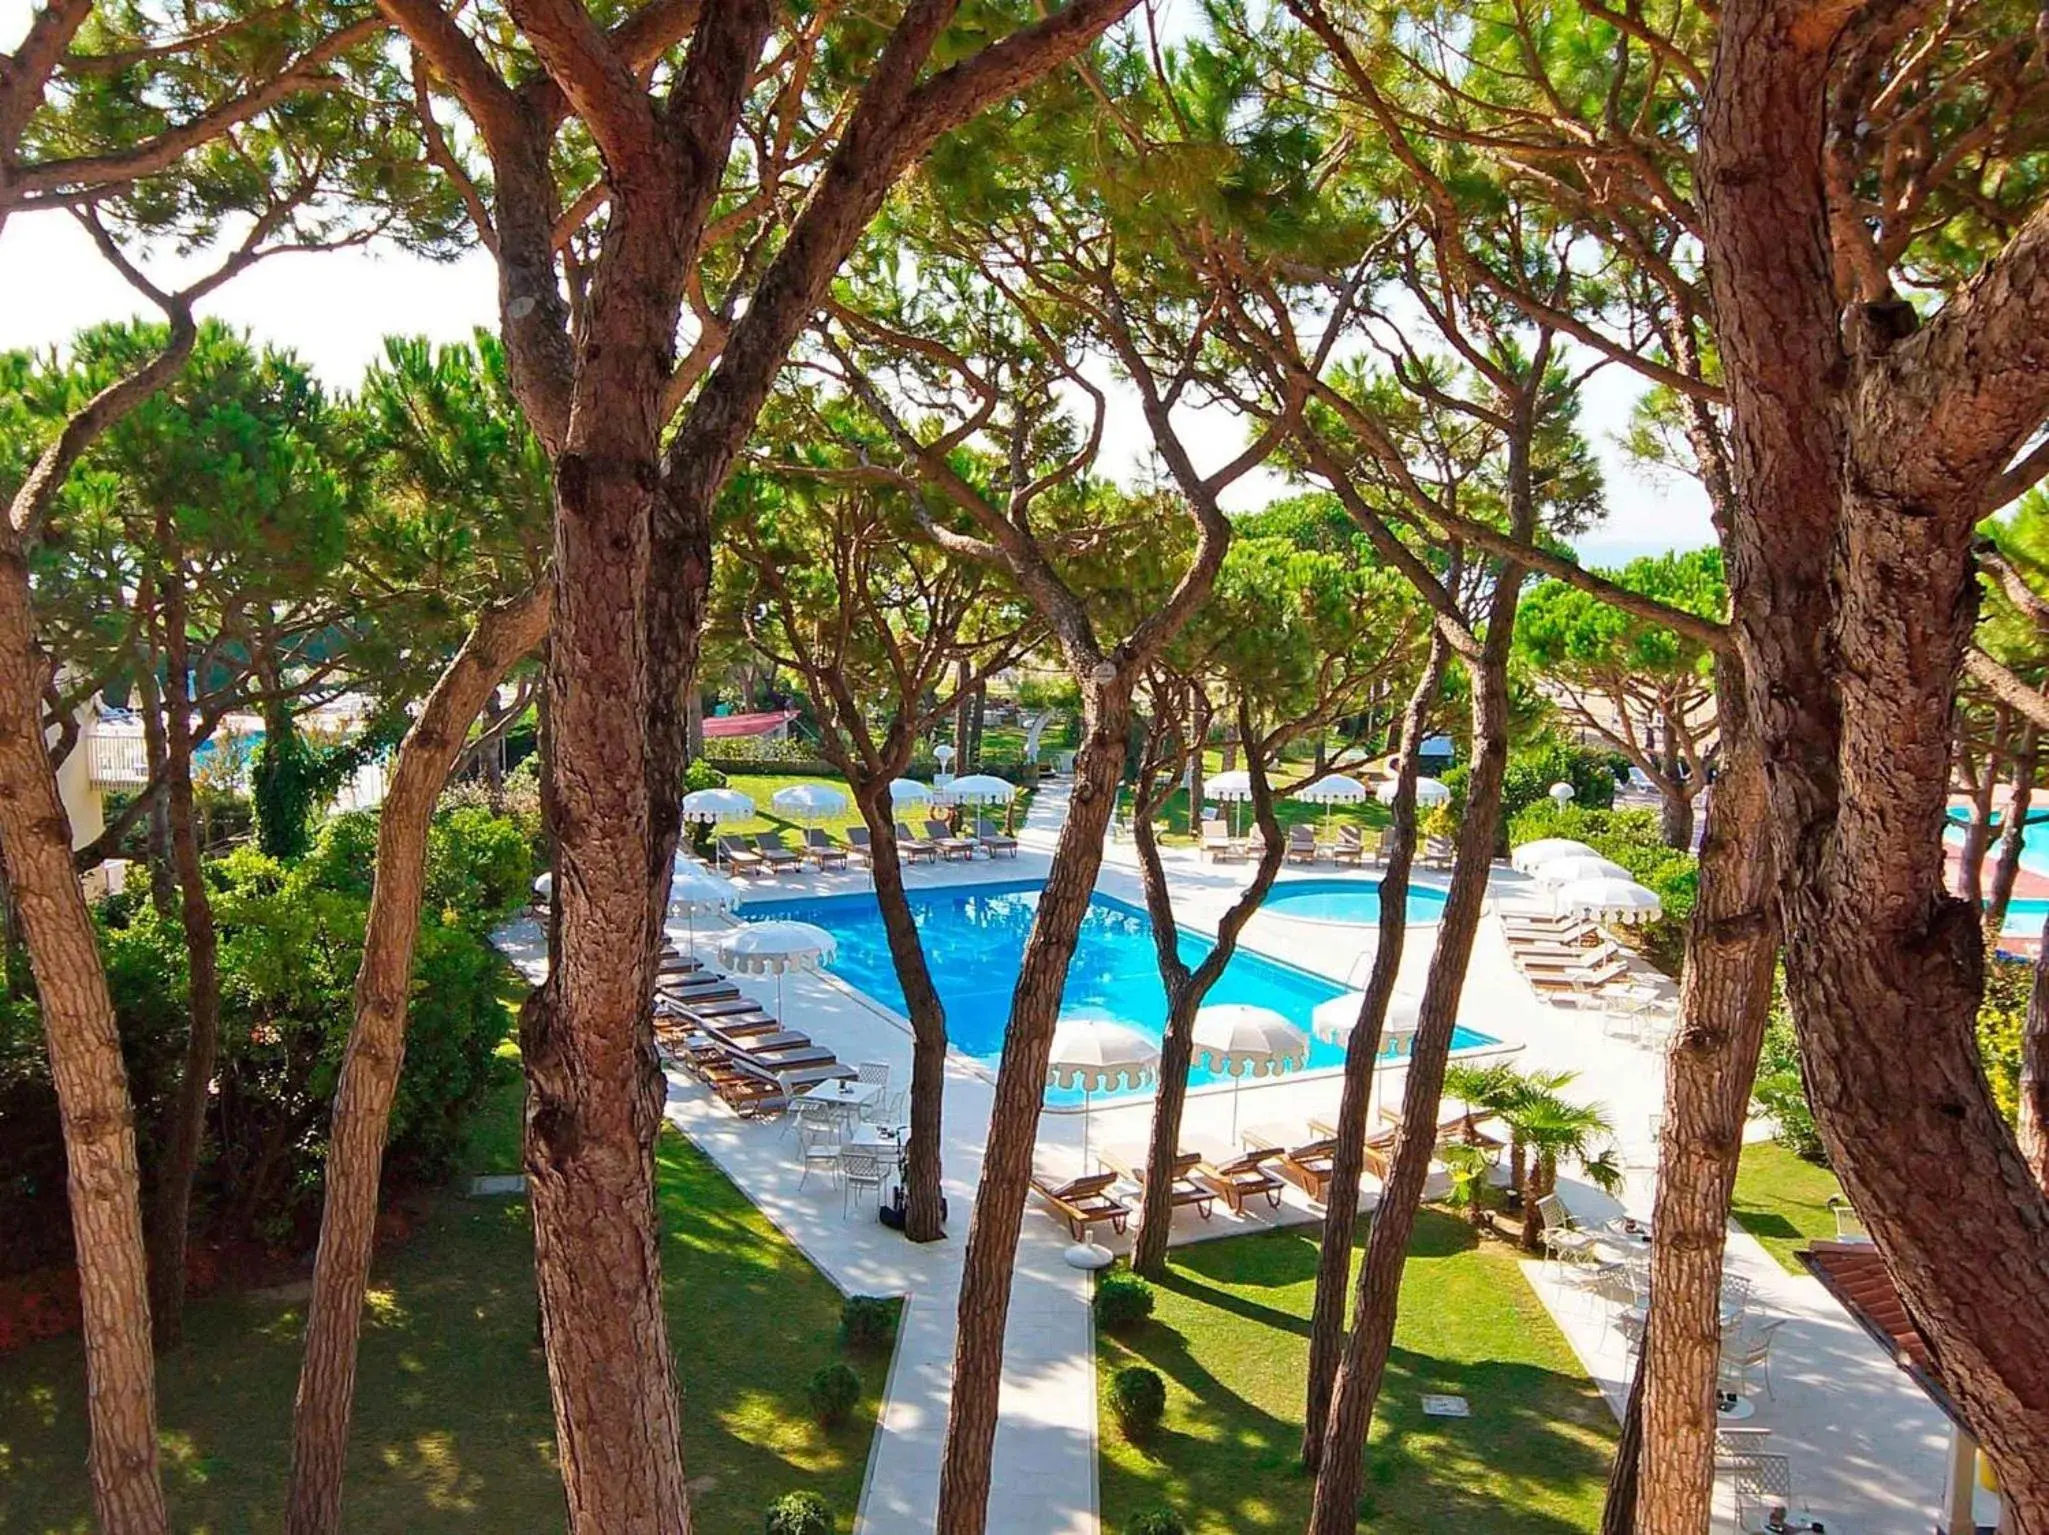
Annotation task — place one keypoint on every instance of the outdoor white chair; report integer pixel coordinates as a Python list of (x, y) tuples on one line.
[(1564, 1241), (1750, 1349), (1849, 1224), (861, 1167), (1762, 1482), (810, 1114), (1736, 1291), (875, 1074), (821, 1152)]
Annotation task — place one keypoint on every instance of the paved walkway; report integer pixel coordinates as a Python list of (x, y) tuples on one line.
[(1868, 1447)]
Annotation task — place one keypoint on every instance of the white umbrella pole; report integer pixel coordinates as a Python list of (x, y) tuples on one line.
[(1236, 1083), (1084, 1128)]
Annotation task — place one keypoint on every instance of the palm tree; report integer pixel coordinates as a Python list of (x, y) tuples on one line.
[(1545, 1130)]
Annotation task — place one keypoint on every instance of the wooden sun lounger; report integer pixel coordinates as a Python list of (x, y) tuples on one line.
[(825, 852), (716, 990), (1084, 1202), (1306, 1164), (860, 846), (775, 855), (1350, 847), (1219, 846), (994, 840), (914, 847), (739, 856), (1581, 981), (948, 844), (1302, 846), (1130, 1165), (1243, 1177), (1566, 961), (748, 1092)]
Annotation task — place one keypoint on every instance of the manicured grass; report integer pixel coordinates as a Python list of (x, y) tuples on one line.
[(1369, 814), (453, 1429), (1783, 1201), (1230, 1335), (760, 786)]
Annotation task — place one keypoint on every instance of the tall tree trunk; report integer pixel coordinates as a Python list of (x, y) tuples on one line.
[(923, 1192), (101, 1178), (1186, 992), (963, 709), (163, 882), (1675, 814), (2013, 834), (1362, 1053), (1725, 1000), (1619, 1508), (1862, 471), (186, 1130), (1199, 713), (1978, 830), (1014, 1118), (1335, 1509), (2034, 1085), (375, 1053)]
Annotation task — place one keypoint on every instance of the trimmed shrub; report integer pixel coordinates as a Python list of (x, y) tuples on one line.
[(868, 1323), (1139, 1397), (833, 1391), (799, 1513), (1123, 1300), (1155, 1521)]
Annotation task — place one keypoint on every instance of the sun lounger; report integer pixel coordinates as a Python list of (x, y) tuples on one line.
[(914, 847), (859, 847), (1350, 847), (1129, 1162), (739, 857), (1218, 845), (1580, 983), (1243, 1177), (1567, 959), (1580, 938), (825, 852), (1304, 1163), (749, 1092), (1302, 845), (1084, 1202), (775, 855), (1548, 925), (704, 996), (948, 844), (994, 839), (1439, 853)]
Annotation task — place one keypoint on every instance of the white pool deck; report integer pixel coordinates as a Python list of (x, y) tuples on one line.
[(1868, 1447)]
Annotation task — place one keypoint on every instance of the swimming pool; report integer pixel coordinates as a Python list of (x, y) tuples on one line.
[(974, 937), (1354, 902)]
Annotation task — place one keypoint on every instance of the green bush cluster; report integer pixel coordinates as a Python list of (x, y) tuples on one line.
[(291, 940), (868, 1323), (799, 1513), (1526, 783), (833, 1393), (1123, 1300), (1155, 1521), (1781, 1091), (1138, 1395)]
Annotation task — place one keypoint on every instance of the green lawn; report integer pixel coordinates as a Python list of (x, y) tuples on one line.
[(760, 786), (453, 1430), (1231, 1336), (1783, 1201), (1369, 814)]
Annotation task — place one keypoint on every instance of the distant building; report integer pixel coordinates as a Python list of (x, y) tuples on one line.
[(772, 726)]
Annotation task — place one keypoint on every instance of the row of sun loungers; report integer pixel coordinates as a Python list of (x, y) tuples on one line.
[(1348, 847), (743, 1053), (1565, 958), (766, 855), (1199, 1182)]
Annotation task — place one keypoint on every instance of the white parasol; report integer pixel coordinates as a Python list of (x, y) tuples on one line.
[(1240, 1040)]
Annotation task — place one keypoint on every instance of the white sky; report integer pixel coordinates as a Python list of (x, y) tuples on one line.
[(333, 309)]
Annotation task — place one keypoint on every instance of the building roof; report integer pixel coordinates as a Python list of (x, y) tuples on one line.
[(725, 726), (1855, 1274)]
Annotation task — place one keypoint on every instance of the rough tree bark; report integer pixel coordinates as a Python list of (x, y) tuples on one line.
[(924, 1196), (1186, 990), (101, 1180), (185, 1125), (1619, 1506), (375, 1053), (2034, 1085), (1335, 1507), (1863, 461), (1725, 1000), (1362, 1054), (1020, 1093)]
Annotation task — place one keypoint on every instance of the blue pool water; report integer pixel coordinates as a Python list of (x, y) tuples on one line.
[(2023, 914), (974, 939), (1349, 901)]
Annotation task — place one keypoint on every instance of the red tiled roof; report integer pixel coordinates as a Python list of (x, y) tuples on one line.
[(1855, 1274), (717, 726)]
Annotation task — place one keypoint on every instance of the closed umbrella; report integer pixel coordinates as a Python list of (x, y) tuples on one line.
[(1332, 789), (1578, 866), (544, 888), (809, 802), (694, 889), (1241, 1040), (1610, 900), (1097, 1052), (776, 948), (1532, 856)]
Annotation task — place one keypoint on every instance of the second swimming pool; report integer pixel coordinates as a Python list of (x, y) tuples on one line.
[(974, 938)]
